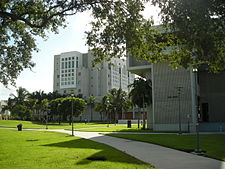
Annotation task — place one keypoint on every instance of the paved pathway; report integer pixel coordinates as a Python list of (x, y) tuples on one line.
[(160, 157)]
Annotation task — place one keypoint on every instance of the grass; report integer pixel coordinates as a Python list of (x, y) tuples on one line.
[(100, 127), (212, 144), (115, 128), (41, 149), (40, 125)]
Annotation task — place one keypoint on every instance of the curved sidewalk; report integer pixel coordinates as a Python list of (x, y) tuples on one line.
[(160, 157)]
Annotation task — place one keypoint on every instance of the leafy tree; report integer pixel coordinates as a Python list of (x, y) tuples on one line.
[(141, 93), (193, 29), (199, 26), (20, 112), (22, 21), (91, 102), (56, 108), (77, 103)]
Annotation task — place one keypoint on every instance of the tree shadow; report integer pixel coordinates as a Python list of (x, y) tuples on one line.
[(106, 153)]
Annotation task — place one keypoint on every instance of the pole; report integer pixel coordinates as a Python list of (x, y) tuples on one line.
[(197, 150), (46, 120), (179, 113), (72, 118)]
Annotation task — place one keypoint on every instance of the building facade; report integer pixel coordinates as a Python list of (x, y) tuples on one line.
[(73, 71), (183, 98)]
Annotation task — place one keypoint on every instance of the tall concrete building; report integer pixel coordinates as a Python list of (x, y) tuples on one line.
[(73, 71)]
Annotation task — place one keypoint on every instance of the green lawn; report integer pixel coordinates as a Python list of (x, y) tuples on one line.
[(77, 126), (214, 144), (49, 150), (115, 128), (39, 125)]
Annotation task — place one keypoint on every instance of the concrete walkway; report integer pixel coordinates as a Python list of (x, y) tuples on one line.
[(160, 157)]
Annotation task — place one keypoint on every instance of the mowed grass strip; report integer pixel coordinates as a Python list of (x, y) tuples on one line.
[(48, 150), (51, 125), (213, 144), (114, 128)]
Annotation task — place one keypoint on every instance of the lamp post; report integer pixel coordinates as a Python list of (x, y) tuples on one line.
[(179, 113), (46, 120), (72, 116), (188, 117), (197, 150)]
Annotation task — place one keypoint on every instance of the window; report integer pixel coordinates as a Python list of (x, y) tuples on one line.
[(79, 73), (72, 78), (79, 90), (66, 59), (66, 65), (68, 83), (69, 64), (62, 59), (62, 75), (77, 62), (72, 64), (72, 82), (72, 74), (58, 76), (69, 58), (69, 70), (62, 65), (72, 70), (62, 71), (72, 58)]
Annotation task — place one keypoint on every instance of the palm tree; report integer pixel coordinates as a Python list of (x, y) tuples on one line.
[(103, 108), (141, 94), (119, 101), (21, 95), (91, 102)]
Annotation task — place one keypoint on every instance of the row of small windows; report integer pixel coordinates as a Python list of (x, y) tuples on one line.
[(69, 58), (65, 75), (69, 70), (66, 65), (67, 83), (65, 79)]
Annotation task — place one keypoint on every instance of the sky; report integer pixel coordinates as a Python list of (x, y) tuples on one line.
[(71, 38)]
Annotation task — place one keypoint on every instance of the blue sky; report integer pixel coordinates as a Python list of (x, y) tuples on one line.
[(72, 38)]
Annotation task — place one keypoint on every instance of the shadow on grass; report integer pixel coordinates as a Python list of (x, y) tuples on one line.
[(106, 153)]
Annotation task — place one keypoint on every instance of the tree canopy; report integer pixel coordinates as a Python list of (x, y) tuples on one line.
[(22, 21), (196, 30), (193, 29)]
